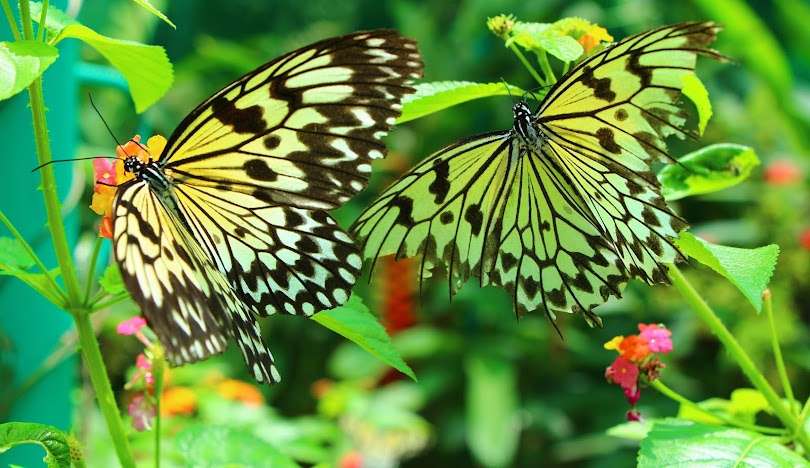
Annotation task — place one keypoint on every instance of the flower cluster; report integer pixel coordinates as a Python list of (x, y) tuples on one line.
[(638, 361), (109, 174), (589, 35)]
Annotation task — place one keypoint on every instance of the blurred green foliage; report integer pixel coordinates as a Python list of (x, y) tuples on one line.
[(493, 389)]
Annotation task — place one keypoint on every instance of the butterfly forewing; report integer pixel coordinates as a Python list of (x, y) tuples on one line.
[(303, 129), (188, 303)]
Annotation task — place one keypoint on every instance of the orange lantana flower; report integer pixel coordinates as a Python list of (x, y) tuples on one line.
[(178, 400), (634, 348), (238, 390), (110, 174)]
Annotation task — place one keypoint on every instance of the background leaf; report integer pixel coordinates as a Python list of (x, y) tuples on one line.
[(14, 255), (22, 62), (354, 321), (55, 21), (694, 89), (710, 169), (565, 48), (749, 270), (435, 96), (146, 68), (146, 5), (493, 424), (111, 280), (675, 442), (211, 446), (53, 440)]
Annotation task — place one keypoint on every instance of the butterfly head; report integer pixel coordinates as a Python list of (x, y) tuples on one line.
[(133, 165), (523, 123)]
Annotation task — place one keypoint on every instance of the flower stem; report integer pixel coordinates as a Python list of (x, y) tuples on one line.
[(673, 395), (10, 17), (158, 365), (542, 58), (101, 384), (56, 224), (767, 305), (526, 64), (43, 15), (742, 358), (118, 298)]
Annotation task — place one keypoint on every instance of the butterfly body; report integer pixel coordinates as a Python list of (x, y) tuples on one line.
[(562, 209), (229, 223)]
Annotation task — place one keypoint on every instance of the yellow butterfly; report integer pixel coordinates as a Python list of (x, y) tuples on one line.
[(229, 222)]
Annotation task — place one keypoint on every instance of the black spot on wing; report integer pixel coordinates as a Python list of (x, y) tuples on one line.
[(259, 170), (475, 217), (441, 184), (247, 120), (600, 86)]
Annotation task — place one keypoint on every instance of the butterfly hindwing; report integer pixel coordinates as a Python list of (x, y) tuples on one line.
[(278, 258), (187, 302)]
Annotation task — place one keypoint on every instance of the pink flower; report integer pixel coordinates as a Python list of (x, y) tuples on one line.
[(658, 338), (633, 415), (131, 326), (144, 366), (104, 170), (632, 395), (622, 372), (142, 411)]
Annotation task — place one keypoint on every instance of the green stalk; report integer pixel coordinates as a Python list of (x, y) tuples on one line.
[(42, 17), (526, 64), (117, 299), (542, 58), (15, 32), (742, 358), (767, 305), (673, 395), (805, 413), (158, 364), (101, 384), (56, 224), (91, 269), (30, 251), (87, 338)]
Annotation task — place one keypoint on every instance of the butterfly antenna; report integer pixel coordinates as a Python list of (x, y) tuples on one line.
[(508, 90), (109, 130), (67, 160)]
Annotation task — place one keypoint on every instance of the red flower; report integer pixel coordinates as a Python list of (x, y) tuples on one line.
[(632, 395), (351, 460), (804, 239), (634, 348), (633, 415), (782, 172), (622, 372), (658, 338)]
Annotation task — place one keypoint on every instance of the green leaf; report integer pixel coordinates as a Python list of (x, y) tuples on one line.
[(111, 280), (712, 405), (710, 169), (747, 402), (493, 421), (675, 442), (354, 321), (146, 68), (55, 442), (749, 270), (565, 48), (439, 95), (55, 21), (211, 446), (634, 430), (146, 5), (693, 88), (14, 255), (22, 62)]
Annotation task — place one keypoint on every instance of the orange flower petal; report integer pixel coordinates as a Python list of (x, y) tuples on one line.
[(178, 400)]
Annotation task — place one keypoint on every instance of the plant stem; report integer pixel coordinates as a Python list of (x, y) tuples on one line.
[(526, 64), (767, 305), (43, 15), (10, 17), (804, 414), (56, 224), (736, 351), (158, 365), (101, 385), (112, 301), (542, 58), (91, 270), (30, 251), (673, 395)]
